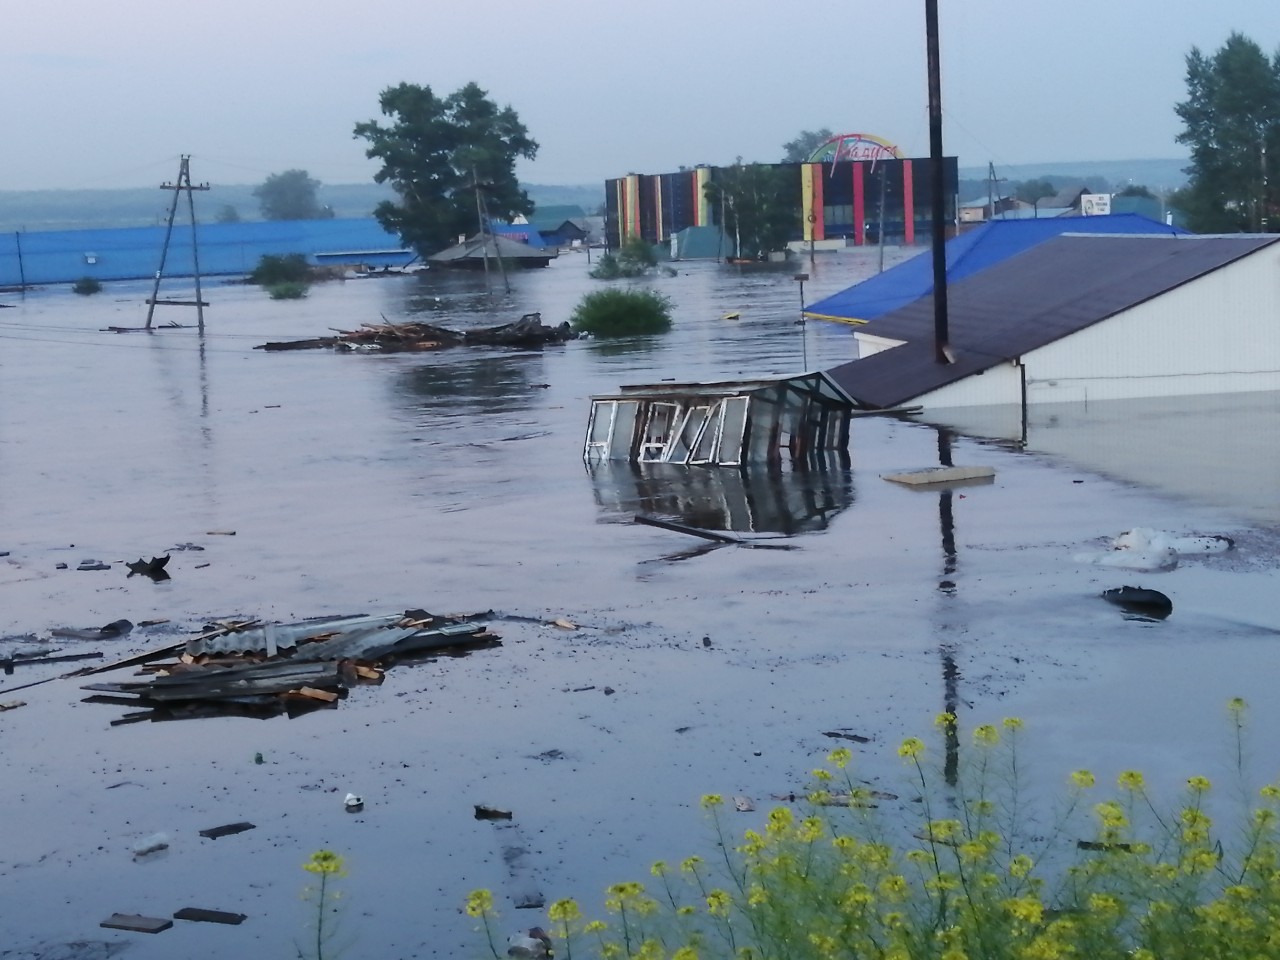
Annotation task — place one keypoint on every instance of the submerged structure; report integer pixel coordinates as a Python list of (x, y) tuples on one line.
[(725, 423)]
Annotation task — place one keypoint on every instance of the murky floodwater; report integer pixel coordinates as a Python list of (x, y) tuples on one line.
[(454, 481)]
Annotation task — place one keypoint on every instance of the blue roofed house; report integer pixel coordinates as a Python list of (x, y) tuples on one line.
[(967, 254)]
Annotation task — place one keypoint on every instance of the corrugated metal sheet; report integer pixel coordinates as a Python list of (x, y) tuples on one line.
[(967, 254), (1049, 292), (63, 256), (273, 637)]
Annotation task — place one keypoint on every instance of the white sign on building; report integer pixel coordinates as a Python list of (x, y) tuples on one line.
[(1095, 204)]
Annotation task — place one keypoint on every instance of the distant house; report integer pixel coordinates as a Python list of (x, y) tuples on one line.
[(984, 208), (1085, 317), (1068, 198), (559, 226), (475, 253)]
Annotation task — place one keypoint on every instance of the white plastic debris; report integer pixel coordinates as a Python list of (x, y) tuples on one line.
[(152, 844), (1146, 540), (353, 803), (532, 943), (1147, 560)]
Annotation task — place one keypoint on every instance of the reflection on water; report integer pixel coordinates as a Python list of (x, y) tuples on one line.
[(747, 500), (472, 385), (1222, 450)]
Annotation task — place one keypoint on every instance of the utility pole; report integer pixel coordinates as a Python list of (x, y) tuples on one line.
[(937, 184), (182, 184), (992, 180)]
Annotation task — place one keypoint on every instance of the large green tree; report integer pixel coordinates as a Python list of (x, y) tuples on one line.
[(437, 153), (757, 204), (290, 196), (1232, 124), (801, 148)]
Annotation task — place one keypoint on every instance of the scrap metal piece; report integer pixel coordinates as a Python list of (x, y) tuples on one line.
[(136, 922), (200, 915)]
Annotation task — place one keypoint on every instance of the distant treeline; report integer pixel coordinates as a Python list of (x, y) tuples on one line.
[(33, 210), (1100, 176)]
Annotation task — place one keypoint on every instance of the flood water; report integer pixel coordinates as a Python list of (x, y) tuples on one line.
[(454, 481)]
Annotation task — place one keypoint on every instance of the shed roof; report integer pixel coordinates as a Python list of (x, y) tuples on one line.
[(476, 248), (1056, 289), (967, 254)]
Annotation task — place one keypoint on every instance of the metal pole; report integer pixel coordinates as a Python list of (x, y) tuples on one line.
[(185, 177), (484, 234), (884, 169), (941, 345), (22, 272), (804, 333), (164, 250)]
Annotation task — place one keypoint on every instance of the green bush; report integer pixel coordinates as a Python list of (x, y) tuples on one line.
[(634, 259), (273, 269), (287, 291), (86, 285), (964, 871), (622, 313)]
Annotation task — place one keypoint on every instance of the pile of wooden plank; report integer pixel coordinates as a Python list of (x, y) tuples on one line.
[(256, 669), (388, 337)]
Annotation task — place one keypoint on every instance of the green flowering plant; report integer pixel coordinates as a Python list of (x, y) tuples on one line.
[(976, 875)]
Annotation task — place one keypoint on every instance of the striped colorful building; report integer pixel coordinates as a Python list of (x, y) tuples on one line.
[(846, 200)]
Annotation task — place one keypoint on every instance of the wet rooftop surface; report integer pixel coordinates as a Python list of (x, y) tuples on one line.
[(453, 481)]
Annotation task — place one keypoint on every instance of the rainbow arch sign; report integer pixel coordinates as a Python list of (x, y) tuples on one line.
[(855, 146)]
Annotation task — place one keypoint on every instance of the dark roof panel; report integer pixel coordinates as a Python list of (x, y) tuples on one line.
[(1051, 291)]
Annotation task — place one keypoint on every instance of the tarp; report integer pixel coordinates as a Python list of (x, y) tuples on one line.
[(700, 243), (967, 254)]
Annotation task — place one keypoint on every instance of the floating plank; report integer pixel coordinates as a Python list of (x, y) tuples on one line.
[(12, 705), (200, 915), (941, 475), (328, 696), (136, 923), (685, 528), (227, 829)]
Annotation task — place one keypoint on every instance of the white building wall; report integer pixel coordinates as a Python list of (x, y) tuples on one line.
[(1217, 334), (1001, 384), (867, 344)]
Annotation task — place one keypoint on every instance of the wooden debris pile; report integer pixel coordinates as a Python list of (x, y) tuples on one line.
[(255, 669), (387, 337)]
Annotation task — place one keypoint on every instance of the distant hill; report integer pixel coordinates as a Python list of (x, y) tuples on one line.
[(139, 207), (1103, 175)]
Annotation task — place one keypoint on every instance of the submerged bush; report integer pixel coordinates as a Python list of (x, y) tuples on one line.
[(287, 291), (966, 872), (86, 285), (273, 269), (622, 313), (634, 259)]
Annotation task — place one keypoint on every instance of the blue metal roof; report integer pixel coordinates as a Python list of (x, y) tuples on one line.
[(131, 253), (967, 254)]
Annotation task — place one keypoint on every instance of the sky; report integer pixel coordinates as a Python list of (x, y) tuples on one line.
[(104, 95)]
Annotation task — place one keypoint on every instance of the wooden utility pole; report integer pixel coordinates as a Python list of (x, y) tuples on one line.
[(937, 184), (182, 184)]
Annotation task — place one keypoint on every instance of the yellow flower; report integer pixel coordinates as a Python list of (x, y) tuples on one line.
[(1264, 817), (1020, 866), (822, 775), (712, 800), (943, 829), (1236, 706), (986, 736), (945, 721), (1012, 723), (1082, 779), (840, 757), (564, 911), (894, 888), (479, 903), (1111, 814), (911, 748), (608, 951), (595, 926), (1131, 780), (690, 864), (1198, 784), (779, 820), (658, 869), (1270, 792), (324, 862), (1103, 903), (685, 953), (1025, 909), (756, 895), (718, 903), (685, 911)]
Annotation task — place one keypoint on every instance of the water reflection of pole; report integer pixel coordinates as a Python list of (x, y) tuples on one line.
[(947, 586), (804, 338)]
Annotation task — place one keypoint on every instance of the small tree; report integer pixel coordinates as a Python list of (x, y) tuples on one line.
[(757, 207), (1031, 191), (1232, 124), (289, 268), (290, 196), (801, 148), (622, 313), (228, 214)]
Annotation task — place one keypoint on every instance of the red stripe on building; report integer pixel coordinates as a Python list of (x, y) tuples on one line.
[(908, 204), (859, 207), (819, 208)]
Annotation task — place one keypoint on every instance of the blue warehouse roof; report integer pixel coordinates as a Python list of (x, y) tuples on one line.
[(967, 254), (131, 253)]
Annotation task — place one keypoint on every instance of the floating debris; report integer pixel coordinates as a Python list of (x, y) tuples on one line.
[(1140, 601), (387, 337)]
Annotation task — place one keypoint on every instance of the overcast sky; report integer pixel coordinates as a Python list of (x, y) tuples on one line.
[(108, 94)]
